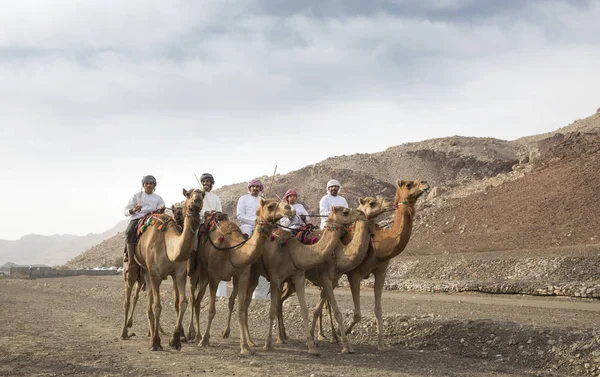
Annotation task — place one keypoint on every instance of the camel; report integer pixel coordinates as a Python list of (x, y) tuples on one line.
[(387, 244), (224, 253), (163, 252), (132, 277), (348, 255), (287, 258)]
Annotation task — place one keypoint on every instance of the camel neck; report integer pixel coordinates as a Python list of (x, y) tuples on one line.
[(306, 257), (350, 255), (252, 249), (181, 250), (391, 242)]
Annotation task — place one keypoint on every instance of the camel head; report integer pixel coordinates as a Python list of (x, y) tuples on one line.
[(410, 191), (273, 210), (373, 207), (344, 216), (178, 214), (195, 198)]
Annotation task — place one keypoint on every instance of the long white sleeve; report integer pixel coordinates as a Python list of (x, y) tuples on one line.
[(133, 201), (246, 212)]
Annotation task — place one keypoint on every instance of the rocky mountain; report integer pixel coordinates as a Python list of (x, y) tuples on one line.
[(51, 250), (489, 194)]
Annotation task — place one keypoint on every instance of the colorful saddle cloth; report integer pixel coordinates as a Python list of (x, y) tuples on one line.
[(307, 234)]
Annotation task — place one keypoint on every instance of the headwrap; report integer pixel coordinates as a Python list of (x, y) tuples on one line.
[(148, 179), (333, 182), (207, 177), (289, 193), (256, 182)]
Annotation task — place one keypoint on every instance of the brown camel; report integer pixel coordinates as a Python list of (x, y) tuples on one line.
[(163, 252), (287, 258), (132, 278), (348, 255), (387, 244), (225, 253)]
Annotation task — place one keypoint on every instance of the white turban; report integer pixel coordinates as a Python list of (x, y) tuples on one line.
[(333, 182)]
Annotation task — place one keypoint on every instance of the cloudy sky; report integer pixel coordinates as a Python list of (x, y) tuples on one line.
[(96, 94)]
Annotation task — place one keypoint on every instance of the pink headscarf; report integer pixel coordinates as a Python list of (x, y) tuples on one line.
[(288, 193), (256, 182)]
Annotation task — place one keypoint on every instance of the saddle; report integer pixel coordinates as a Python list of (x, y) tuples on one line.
[(154, 218), (306, 234), (210, 221)]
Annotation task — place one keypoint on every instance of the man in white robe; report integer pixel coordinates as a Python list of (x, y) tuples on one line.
[(211, 203), (247, 206), (331, 199)]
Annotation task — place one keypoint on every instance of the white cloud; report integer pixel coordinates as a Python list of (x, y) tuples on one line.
[(96, 94)]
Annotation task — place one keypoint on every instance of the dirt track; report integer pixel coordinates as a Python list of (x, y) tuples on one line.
[(71, 326)]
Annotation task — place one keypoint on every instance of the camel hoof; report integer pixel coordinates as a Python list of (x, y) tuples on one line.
[(383, 347), (321, 337), (183, 339), (347, 350), (252, 344), (226, 334), (281, 341), (246, 352), (314, 352), (156, 348), (125, 336), (268, 347), (175, 345), (204, 342)]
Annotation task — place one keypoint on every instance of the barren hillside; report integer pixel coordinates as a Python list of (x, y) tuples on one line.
[(553, 205), (493, 194)]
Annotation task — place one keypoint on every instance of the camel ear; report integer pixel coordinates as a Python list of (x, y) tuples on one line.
[(333, 209), (402, 183), (261, 201), (361, 201), (186, 193)]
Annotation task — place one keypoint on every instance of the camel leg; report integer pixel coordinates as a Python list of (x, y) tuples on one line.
[(253, 284), (136, 296), (197, 303), (378, 290), (231, 304), (193, 286), (179, 283), (126, 303), (334, 332), (156, 309), (317, 312), (318, 318), (354, 281), (288, 290), (243, 290), (275, 289), (212, 284), (328, 290), (301, 294)]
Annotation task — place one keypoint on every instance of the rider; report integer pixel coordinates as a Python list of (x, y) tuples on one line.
[(331, 199), (140, 204), (211, 203), (300, 214)]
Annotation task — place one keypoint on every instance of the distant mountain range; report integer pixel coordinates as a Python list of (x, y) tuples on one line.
[(54, 249)]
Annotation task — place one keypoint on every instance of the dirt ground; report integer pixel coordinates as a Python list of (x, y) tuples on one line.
[(71, 326)]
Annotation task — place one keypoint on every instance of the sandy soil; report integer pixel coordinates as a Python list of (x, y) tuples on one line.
[(71, 326)]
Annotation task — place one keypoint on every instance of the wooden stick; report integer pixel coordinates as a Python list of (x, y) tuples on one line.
[(272, 181), (199, 184)]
